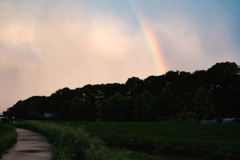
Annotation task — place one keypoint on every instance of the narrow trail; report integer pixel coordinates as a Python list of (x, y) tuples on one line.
[(30, 146)]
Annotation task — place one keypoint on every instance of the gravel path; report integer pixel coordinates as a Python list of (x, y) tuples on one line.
[(30, 146)]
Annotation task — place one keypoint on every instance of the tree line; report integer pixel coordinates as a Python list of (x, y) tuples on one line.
[(176, 95)]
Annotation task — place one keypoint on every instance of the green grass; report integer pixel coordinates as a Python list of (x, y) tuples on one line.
[(73, 143), (182, 140), (153, 140), (8, 136)]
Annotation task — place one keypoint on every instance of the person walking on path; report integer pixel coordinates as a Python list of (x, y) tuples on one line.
[(30, 146)]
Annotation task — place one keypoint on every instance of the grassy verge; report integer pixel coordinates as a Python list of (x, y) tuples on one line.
[(73, 143), (182, 140), (8, 136)]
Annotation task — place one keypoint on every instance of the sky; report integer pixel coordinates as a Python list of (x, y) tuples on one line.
[(48, 45)]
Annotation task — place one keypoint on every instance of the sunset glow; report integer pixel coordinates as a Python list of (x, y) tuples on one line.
[(48, 45)]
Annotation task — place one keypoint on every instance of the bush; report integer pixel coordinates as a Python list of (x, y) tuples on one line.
[(8, 136), (73, 144)]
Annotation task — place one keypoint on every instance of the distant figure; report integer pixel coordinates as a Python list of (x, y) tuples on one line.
[(13, 120)]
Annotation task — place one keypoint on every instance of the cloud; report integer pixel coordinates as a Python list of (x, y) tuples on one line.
[(47, 45), (181, 44), (24, 57), (45, 50), (189, 47)]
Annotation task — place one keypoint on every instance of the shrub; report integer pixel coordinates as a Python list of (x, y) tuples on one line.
[(8, 136), (72, 144)]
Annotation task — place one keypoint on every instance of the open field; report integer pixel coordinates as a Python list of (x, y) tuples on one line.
[(204, 141), (8, 136), (155, 140)]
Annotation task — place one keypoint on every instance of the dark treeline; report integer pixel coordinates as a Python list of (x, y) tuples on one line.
[(179, 96)]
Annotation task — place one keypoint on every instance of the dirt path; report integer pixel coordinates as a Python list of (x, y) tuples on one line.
[(29, 146)]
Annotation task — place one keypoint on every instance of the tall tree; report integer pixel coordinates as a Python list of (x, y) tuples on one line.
[(118, 108), (135, 86), (222, 76), (203, 106), (144, 109)]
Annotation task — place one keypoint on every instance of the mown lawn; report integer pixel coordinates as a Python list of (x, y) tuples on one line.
[(8, 136)]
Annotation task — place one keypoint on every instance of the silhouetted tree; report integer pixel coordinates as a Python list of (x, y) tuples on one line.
[(203, 105), (222, 76), (118, 108), (144, 109), (135, 86), (177, 95)]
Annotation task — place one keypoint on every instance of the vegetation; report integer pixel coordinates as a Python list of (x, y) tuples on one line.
[(173, 97), (182, 140), (8, 136), (141, 140), (73, 143), (179, 96)]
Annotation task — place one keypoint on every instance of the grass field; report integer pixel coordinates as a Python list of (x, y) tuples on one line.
[(8, 136), (191, 140), (157, 140), (182, 140)]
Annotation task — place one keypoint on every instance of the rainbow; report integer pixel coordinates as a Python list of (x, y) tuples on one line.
[(151, 39)]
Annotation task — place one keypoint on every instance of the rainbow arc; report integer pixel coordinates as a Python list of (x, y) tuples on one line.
[(151, 39)]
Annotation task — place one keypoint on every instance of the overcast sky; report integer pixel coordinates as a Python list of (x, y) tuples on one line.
[(46, 45)]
